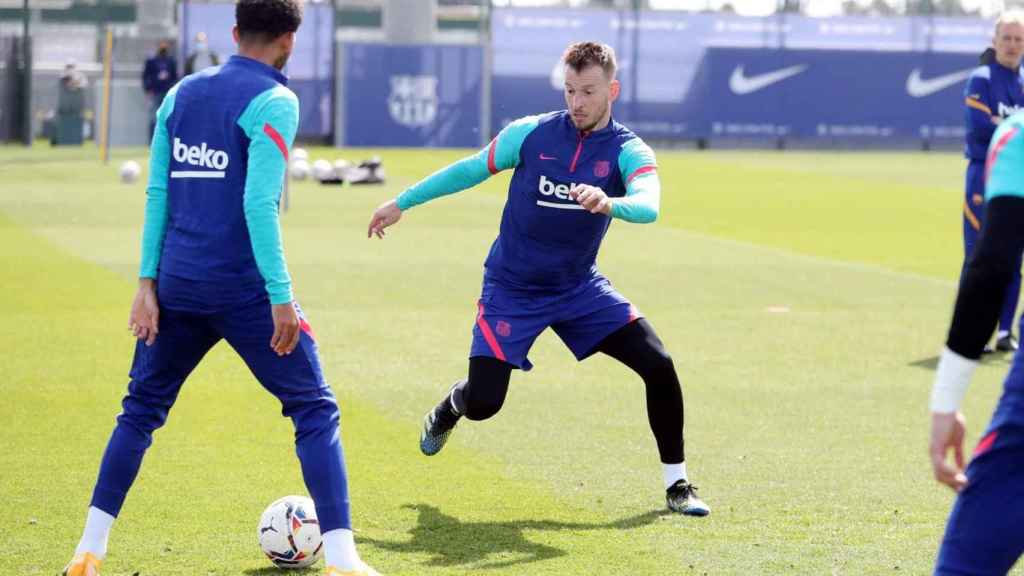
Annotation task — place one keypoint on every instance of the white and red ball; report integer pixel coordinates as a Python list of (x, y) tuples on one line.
[(289, 533)]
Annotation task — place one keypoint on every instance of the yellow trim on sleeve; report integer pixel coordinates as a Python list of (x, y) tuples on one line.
[(972, 103), (971, 217)]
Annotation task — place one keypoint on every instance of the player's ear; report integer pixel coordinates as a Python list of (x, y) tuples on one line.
[(234, 33), (287, 41), (613, 92)]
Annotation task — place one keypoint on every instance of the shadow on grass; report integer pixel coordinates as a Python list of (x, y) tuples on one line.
[(932, 362), (452, 542), (275, 571)]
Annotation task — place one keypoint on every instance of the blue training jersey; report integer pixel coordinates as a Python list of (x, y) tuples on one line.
[(217, 165), (547, 241), (991, 90)]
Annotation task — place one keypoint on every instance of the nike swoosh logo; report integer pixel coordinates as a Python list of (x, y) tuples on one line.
[(742, 84), (918, 87), (543, 157)]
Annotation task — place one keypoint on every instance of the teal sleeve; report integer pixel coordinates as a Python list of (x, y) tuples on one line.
[(643, 188), (501, 154), (270, 121), (155, 224), (1006, 161)]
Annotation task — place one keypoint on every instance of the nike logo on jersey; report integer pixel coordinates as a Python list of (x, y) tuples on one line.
[(560, 191), (742, 84), (544, 157), (919, 87), (201, 157)]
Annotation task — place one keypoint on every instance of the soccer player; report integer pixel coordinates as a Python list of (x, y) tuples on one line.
[(983, 535), (993, 92), (575, 171), (213, 267)]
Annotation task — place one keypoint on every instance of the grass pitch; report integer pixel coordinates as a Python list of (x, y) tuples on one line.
[(803, 296)]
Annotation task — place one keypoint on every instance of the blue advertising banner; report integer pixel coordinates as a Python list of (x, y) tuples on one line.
[(848, 78), (829, 94), (412, 95)]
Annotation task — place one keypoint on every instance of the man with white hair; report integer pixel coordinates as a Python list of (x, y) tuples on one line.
[(994, 92)]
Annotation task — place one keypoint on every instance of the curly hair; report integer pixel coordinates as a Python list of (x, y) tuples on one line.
[(266, 20), (581, 55)]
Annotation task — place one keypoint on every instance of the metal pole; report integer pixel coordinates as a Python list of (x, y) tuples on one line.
[(26, 81), (108, 64), (487, 45)]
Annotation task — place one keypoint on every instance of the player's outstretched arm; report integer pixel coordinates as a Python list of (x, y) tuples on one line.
[(501, 154), (385, 215)]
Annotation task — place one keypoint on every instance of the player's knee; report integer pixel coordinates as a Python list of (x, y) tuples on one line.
[(483, 406), (483, 409), (144, 414), (658, 365), (314, 417)]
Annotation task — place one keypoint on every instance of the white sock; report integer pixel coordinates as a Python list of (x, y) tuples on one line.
[(673, 473), (340, 550), (97, 530)]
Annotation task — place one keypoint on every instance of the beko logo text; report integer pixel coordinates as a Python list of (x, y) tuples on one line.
[(549, 188), (200, 155), (560, 191)]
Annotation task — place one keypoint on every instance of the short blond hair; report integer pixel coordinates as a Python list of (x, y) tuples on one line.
[(1009, 17), (583, 54)]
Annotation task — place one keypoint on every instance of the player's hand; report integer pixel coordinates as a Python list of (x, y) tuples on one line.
[(144, 320), (385, 215), (286, 328), (948, 433), (997, 120), (592, 198)]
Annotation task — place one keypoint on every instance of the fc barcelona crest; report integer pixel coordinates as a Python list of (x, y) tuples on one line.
[(413, 100), (602, 168)]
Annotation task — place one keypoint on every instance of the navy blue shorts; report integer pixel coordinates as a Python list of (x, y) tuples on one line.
[(985, 532), (509, 321)]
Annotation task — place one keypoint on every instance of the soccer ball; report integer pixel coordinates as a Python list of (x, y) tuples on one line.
[(300, 154), (289, 533), (130, 171), (299, 170), (323, 170)]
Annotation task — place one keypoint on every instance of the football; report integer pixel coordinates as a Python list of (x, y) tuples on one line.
[(323, 170), (130, 171), (299, 169), (289, 533)]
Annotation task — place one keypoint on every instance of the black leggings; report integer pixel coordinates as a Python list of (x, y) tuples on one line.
[(635, 345)]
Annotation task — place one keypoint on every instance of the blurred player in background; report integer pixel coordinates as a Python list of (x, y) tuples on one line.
[(159, 74), (983, 535), (994, 91), (575, 171), (213, 268)]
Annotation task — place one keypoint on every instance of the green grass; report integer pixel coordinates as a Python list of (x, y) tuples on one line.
[(804, 297)]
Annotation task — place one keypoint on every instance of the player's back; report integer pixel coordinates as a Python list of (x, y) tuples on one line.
[(207, 260)]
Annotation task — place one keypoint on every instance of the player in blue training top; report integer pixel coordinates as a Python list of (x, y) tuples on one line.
[(213, 268), (994, 91), (984, 533), (575, 171)]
